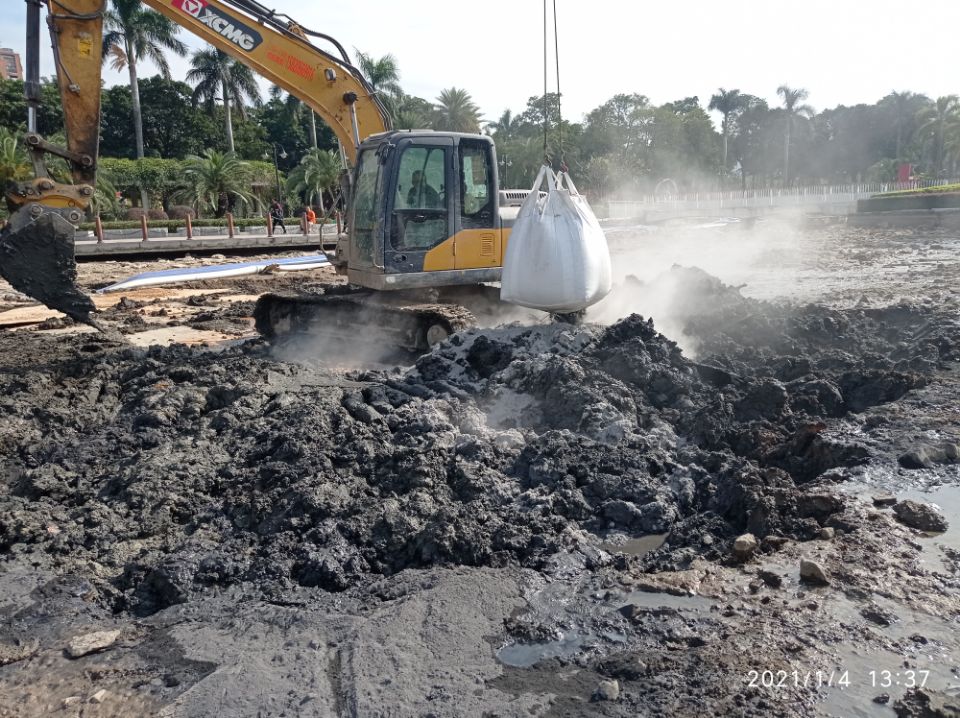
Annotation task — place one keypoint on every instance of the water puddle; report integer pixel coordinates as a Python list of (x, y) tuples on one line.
[(635, 546), (524, 655), (921, 650)]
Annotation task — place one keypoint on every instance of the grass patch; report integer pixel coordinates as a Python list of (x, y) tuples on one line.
[(940, 189)]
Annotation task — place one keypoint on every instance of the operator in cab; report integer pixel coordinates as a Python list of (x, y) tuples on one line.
[(421, 194)]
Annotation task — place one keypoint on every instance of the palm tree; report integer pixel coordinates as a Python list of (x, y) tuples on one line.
[(904, 105), (505, 127), (215, 182), (215, 72), (134, 33), (455, 111), (792, 109), (318, 172), (383, 74), (727, 103), (939, 122), (295, 108)]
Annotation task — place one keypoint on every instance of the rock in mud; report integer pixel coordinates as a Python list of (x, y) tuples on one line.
[(91, 643), (744, 546), (920, 515), (18, 650), (608, 691), (812, 572), (925, 457), (926, 703)]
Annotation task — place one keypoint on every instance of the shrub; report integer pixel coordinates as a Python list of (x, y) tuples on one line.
[(181, 211)]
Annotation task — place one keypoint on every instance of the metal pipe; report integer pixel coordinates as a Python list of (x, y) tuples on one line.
[(31, 85)]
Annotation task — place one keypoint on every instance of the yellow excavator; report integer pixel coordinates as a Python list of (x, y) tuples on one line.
[(425, 232)]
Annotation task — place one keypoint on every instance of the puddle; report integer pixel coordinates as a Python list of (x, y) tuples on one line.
[(921, 650), (636, 546), (946, 497), (524, 655)]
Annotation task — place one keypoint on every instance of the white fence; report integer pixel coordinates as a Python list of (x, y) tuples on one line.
[(763, 198)]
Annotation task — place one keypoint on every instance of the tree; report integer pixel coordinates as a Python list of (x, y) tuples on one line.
[(937, 124), (216, 181), (172, 127), (13, 107), (318, 172), (412, 113), (506, 127), (455, 111), (792, 109), (13, 160), (134, 33), (383, 74), (295, 108), (727, 103), (214, 71), (905, 105)]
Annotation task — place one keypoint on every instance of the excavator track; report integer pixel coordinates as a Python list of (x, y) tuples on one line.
[(360, 316)]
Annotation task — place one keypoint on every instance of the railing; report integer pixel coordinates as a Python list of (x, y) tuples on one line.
[(758, 198)]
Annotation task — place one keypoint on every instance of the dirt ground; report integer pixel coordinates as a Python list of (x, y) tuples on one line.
[(733, 491)]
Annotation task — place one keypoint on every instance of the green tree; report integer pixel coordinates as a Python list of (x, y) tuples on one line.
[(506, 127), (295, 109), (14, 165), (413, 113), (216, 182), (905, 106), (318, 172), (13, 107), (793, 108), (134, 33), (455, 111), (383, 74), (215, 72), (938, 123), (727, 103)]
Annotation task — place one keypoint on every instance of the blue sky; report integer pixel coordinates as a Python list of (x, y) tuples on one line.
[(842, 51)]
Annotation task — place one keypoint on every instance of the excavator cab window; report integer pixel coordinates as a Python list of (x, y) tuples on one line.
[(476, 186), (419, 219), (365, 206)]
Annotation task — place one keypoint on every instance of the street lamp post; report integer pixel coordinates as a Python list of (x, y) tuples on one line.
[(506, 162), (276, 169)]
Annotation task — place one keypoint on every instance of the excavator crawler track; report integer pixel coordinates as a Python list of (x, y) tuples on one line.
[(360, 316)]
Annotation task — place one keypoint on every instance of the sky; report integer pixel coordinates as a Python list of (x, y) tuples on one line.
[(841, 51)]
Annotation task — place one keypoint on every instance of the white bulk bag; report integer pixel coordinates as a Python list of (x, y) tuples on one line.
[(557, 258)]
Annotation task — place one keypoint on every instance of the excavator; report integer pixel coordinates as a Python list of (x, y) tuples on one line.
[(425, 233)]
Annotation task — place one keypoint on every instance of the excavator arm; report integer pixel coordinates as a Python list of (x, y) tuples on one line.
[(36, 245), (279, 49)]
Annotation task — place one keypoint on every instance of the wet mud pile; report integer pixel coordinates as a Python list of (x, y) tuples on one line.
[(167, 474)]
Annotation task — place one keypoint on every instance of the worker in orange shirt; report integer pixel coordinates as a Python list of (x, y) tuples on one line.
[(311, 218)]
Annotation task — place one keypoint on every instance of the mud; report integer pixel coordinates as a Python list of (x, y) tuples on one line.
[(493, 529)]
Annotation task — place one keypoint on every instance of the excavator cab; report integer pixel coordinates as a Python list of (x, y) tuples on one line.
[(424, 212)]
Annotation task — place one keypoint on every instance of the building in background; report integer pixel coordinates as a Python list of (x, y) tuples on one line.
[(10, 67)]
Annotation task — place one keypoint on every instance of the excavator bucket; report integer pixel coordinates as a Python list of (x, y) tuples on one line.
[(37, 259)]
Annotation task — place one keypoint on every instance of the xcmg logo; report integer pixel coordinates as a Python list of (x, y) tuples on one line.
[(221, 23)]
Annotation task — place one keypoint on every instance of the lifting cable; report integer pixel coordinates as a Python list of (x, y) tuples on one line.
[(546, 62)]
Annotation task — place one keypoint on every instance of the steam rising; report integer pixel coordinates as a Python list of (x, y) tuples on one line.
[(763, 259)]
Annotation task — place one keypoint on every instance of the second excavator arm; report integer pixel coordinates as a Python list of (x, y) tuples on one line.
[(36, 246)]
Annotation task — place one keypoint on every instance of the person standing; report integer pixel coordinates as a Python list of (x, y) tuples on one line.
[(311, 217), (276, 214)]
